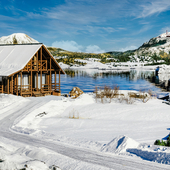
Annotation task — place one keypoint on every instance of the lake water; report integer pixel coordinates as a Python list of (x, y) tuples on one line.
[(86, 80)]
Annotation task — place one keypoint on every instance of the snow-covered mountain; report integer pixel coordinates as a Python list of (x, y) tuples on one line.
[(17, 38), (159, 45)]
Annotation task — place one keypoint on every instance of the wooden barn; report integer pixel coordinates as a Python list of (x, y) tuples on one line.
[(29, 70)]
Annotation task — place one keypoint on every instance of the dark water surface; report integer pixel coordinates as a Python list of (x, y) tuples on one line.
[(86, 80)]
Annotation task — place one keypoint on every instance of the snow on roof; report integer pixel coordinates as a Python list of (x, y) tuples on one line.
[(14, 57)]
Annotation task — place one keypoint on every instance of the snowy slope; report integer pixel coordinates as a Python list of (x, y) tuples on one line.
[(17, 38), (155, 45)]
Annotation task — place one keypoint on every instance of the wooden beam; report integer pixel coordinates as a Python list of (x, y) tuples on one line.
[(41, 68), (48, 81), (37, 80), (55, 80), (17, 85), (46, 50), (31, 78), (7, 85), (50, 75), (12, 84), (21, 83), (51, 70), (37, 59), (2, 86)]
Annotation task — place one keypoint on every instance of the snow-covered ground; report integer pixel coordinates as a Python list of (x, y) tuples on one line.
[(74, 134)]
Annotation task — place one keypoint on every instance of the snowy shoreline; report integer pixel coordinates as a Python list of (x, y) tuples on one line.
[(110, 66)]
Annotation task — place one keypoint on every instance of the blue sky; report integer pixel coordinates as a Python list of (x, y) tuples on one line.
[(86, 25)]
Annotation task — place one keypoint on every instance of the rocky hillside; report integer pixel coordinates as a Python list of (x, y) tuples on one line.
[(17, 38), (159, 45)]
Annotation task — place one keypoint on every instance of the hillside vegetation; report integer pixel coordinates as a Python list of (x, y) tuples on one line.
[(69, 58)]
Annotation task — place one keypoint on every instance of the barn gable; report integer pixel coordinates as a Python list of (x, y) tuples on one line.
[(28, 70)]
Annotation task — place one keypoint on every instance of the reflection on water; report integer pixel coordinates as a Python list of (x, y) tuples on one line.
[(86, 80), (161, 80)]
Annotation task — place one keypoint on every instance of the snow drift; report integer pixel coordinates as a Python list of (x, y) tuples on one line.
[(119, 145)]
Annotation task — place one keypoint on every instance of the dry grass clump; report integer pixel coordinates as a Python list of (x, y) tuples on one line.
[(74, 114), (115, 91), (142, 95), (107, 94)]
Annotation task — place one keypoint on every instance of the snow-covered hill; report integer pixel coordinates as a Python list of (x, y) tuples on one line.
[(17, 38), (159, 45)]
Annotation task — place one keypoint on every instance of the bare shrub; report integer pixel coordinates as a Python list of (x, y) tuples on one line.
[(116, 91), (133, 95), (107, 91)]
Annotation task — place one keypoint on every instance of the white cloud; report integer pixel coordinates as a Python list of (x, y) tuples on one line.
[(74, 47), (94, 29), (132, 47), (94, 49), (154, 7), (68, 45)]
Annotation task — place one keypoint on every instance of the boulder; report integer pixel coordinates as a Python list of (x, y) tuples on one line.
[(75, 92)]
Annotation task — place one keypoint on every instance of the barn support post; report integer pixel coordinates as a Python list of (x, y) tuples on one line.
[(2, 86), (48, 82), (37, 80), (37, 60), (55, 81), (31, 78), (17, 85), (41, 68), (15, 82), (12, 84), (50, 75), (8, 85), (21, 83)]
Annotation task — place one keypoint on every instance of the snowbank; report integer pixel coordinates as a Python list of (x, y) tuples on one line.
[(12, 160), (119, 145)]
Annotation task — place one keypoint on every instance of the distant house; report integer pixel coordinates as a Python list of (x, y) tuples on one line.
[(28, 70)]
